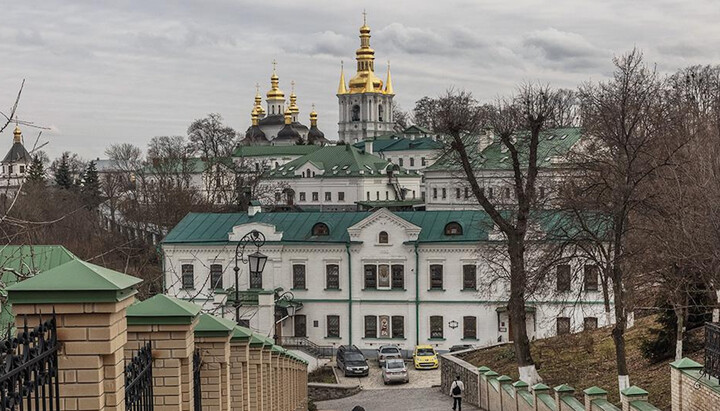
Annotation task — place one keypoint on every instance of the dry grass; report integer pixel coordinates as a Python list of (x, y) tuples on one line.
[(587, 359), (322, 375)]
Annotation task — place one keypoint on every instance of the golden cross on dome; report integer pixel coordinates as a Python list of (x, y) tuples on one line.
[(274, 63), (364, 18), (257, 88), (313, 106), (292, 85)]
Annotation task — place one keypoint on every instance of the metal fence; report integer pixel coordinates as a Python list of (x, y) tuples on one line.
[(712, 350), (197, 387), (29, 368), (139, 381)]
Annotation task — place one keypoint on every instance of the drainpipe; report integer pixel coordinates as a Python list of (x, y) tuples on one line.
[(159, 251), (417, 295), (350, 323)]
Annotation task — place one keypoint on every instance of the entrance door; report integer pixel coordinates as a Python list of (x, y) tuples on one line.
[(300, 325)]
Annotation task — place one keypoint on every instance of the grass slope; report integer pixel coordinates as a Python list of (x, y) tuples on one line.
[(587, 359)]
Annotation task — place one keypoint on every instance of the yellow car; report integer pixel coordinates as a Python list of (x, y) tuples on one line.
[(425, 357)]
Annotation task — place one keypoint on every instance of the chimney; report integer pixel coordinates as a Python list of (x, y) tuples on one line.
[(369, 146), (254, 208)]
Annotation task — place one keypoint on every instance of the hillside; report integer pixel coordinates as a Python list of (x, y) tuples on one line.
[(586, 359)]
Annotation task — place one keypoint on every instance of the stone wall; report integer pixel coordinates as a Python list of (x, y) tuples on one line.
[(691, 391), (322, 392), (450, 368)]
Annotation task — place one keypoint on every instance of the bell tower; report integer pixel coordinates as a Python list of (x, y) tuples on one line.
[(365, 104)]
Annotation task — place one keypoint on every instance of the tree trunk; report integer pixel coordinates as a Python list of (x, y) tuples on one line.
[(680, 314), (516, 310), (618, 331)]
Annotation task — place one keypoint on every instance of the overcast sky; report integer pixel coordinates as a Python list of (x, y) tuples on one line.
[(125, 71)]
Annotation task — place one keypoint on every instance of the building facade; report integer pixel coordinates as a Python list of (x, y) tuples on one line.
[(337, 178), (15, 166), (372, 278)]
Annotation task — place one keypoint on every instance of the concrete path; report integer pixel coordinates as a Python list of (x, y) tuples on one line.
[(411, 399)]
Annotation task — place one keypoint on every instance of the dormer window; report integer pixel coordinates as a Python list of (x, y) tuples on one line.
[(383, 237), (453, 229), (320, 230)]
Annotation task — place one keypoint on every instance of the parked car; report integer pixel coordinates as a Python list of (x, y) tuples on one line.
[(395, 371), (425, 357), (386, 352), (460, 347), (351, 361)]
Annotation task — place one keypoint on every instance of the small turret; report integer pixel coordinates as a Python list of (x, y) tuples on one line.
[(315, 136)]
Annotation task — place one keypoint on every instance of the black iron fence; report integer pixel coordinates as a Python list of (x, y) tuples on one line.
[(139, 381), (197, 387), (29, 368), (712, 350), (305, 345)]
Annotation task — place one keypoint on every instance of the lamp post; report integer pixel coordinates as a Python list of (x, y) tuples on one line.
[(288, 297), (256, 262)]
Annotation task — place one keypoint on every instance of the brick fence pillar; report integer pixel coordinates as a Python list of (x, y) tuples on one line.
[(592, 394), (239, 354), (168, 324), (212, 339), (631, 394), (255, 374), (267, 392), (90, 303), (561, 391), (676, 381)]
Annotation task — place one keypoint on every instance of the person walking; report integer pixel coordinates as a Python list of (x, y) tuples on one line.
[(456, 389)]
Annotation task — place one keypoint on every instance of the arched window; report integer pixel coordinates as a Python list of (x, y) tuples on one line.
[(272, 108), (453, 229), (320, 229), (383, 237), (356, 113), (380, 112)]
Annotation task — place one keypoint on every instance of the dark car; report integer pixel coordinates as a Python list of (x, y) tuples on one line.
[(460, 347), (352, 361)]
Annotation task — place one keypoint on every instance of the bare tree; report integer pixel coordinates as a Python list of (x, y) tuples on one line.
[(518, 123), (627, 120)]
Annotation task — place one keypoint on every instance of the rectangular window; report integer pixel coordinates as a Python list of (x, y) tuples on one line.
[(398, 276), (22, 170), (370, 276), (398, 326), (563, 277), (383, 281), (367, 196), (541, 192), (256, 281), (188, 276), (341, 196), (457, 193), (590, 323), (490, 192), (377, 196), (333, 326), (400, 162), (370, 326), (277, 197), (444, 193), (434, 192), (300, 322), (423, 162), (436, 277), (302, 196), (469, 277), (298, 271), (332, 274), (467, 194), (436, 326), (507, 192), (563, 325), (412, 161), (315, 196), (591, 277), (387, 196), (470, 327), (216, 277), (328, 196)]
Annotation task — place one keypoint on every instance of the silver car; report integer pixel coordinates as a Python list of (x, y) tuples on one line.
[(395, 371), (386, 352)]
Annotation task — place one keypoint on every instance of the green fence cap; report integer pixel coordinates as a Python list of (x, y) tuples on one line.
[(540, 387), (211, 326), (162, 309), (686, 364), (76, 281), (633, 391), (241, 333), (594, 391)]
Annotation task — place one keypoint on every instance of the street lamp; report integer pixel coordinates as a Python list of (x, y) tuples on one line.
[(256, 262)]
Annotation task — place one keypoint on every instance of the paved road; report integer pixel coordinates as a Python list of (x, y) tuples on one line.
[(418, 378), (411, 399)]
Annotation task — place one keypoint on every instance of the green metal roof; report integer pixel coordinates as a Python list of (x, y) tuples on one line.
[(552, 143), (75, 281), (211, 326), (268, 151), (395, 143), (339, 161), (297, 226), (162, 309), (416, 129), (241, 333)]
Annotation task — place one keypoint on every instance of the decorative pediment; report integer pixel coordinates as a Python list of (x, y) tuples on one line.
[(388, 217), (309, 169), (270, 231)]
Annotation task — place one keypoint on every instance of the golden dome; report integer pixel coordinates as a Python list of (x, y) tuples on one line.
[(288, 116), (313, 116), (275, 93), (365, 81), (258, 101), (254, 116), (17, 134), (294, 109)]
